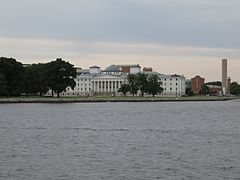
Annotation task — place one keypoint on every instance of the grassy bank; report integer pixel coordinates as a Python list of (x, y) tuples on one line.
[(35, 99)]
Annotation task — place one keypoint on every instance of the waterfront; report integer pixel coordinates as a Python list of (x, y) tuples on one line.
[(166, 140)]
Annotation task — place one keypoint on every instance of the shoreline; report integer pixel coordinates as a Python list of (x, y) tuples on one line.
[(112, 99)]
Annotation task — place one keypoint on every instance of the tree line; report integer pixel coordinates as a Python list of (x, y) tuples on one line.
[(142, 82), (15, 79)]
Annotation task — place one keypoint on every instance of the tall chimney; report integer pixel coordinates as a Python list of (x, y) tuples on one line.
[(224, 76)]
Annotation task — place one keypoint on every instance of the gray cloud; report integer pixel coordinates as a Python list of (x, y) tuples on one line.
[(208, 23)]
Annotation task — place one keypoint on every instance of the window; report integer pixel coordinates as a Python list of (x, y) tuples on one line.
[(170, 79), (176, 79), (170, 89), (176, 84)]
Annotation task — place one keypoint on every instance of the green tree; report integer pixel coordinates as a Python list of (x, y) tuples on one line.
[(154, 85), (142, 83), (132, 83), (60, 74), (3, 85), (235, 88), (189, 91), (12, 72), (124, 89), (35, 79), (214, 83), (204, 90)]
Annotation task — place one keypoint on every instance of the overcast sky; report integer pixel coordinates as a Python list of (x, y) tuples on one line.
[(173, 36)]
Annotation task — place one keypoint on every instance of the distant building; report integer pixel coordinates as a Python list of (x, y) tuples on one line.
[(197, 83), (214, 90), (173, 85)]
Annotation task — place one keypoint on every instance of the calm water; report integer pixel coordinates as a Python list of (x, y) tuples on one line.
[(190, 140)]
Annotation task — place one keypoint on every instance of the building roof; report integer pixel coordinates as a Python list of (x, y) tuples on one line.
[(128, 65), (175, 75), (124, 75), (94, 67), (112, 68), (214, 86), (80, 71)]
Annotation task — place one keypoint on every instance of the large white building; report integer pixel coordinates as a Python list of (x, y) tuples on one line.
[(94, 81)]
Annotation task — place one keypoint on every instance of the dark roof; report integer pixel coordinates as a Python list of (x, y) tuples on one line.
[(129, 65), (175, 75), (94, 67)]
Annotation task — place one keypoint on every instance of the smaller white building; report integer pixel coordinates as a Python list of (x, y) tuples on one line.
[(173, 85)]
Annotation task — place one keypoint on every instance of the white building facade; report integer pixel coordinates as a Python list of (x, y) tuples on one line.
[(97, 82), (107, 84), (173, 85)]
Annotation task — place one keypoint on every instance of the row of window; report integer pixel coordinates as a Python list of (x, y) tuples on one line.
[(165, 84), (84, 84), (116, 73), (83, 80), (170, 89), (166, 79)]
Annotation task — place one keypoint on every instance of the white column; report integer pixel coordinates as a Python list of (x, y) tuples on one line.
[(108, 86), (102, 89), (105, 84), (119, 84)]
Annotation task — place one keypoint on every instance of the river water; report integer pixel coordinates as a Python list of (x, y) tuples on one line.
[(166, 140)]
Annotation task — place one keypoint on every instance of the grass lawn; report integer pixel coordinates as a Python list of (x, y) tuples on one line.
[(111, 98)]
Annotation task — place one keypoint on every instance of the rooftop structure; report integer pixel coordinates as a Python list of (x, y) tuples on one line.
[(147, 69)]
